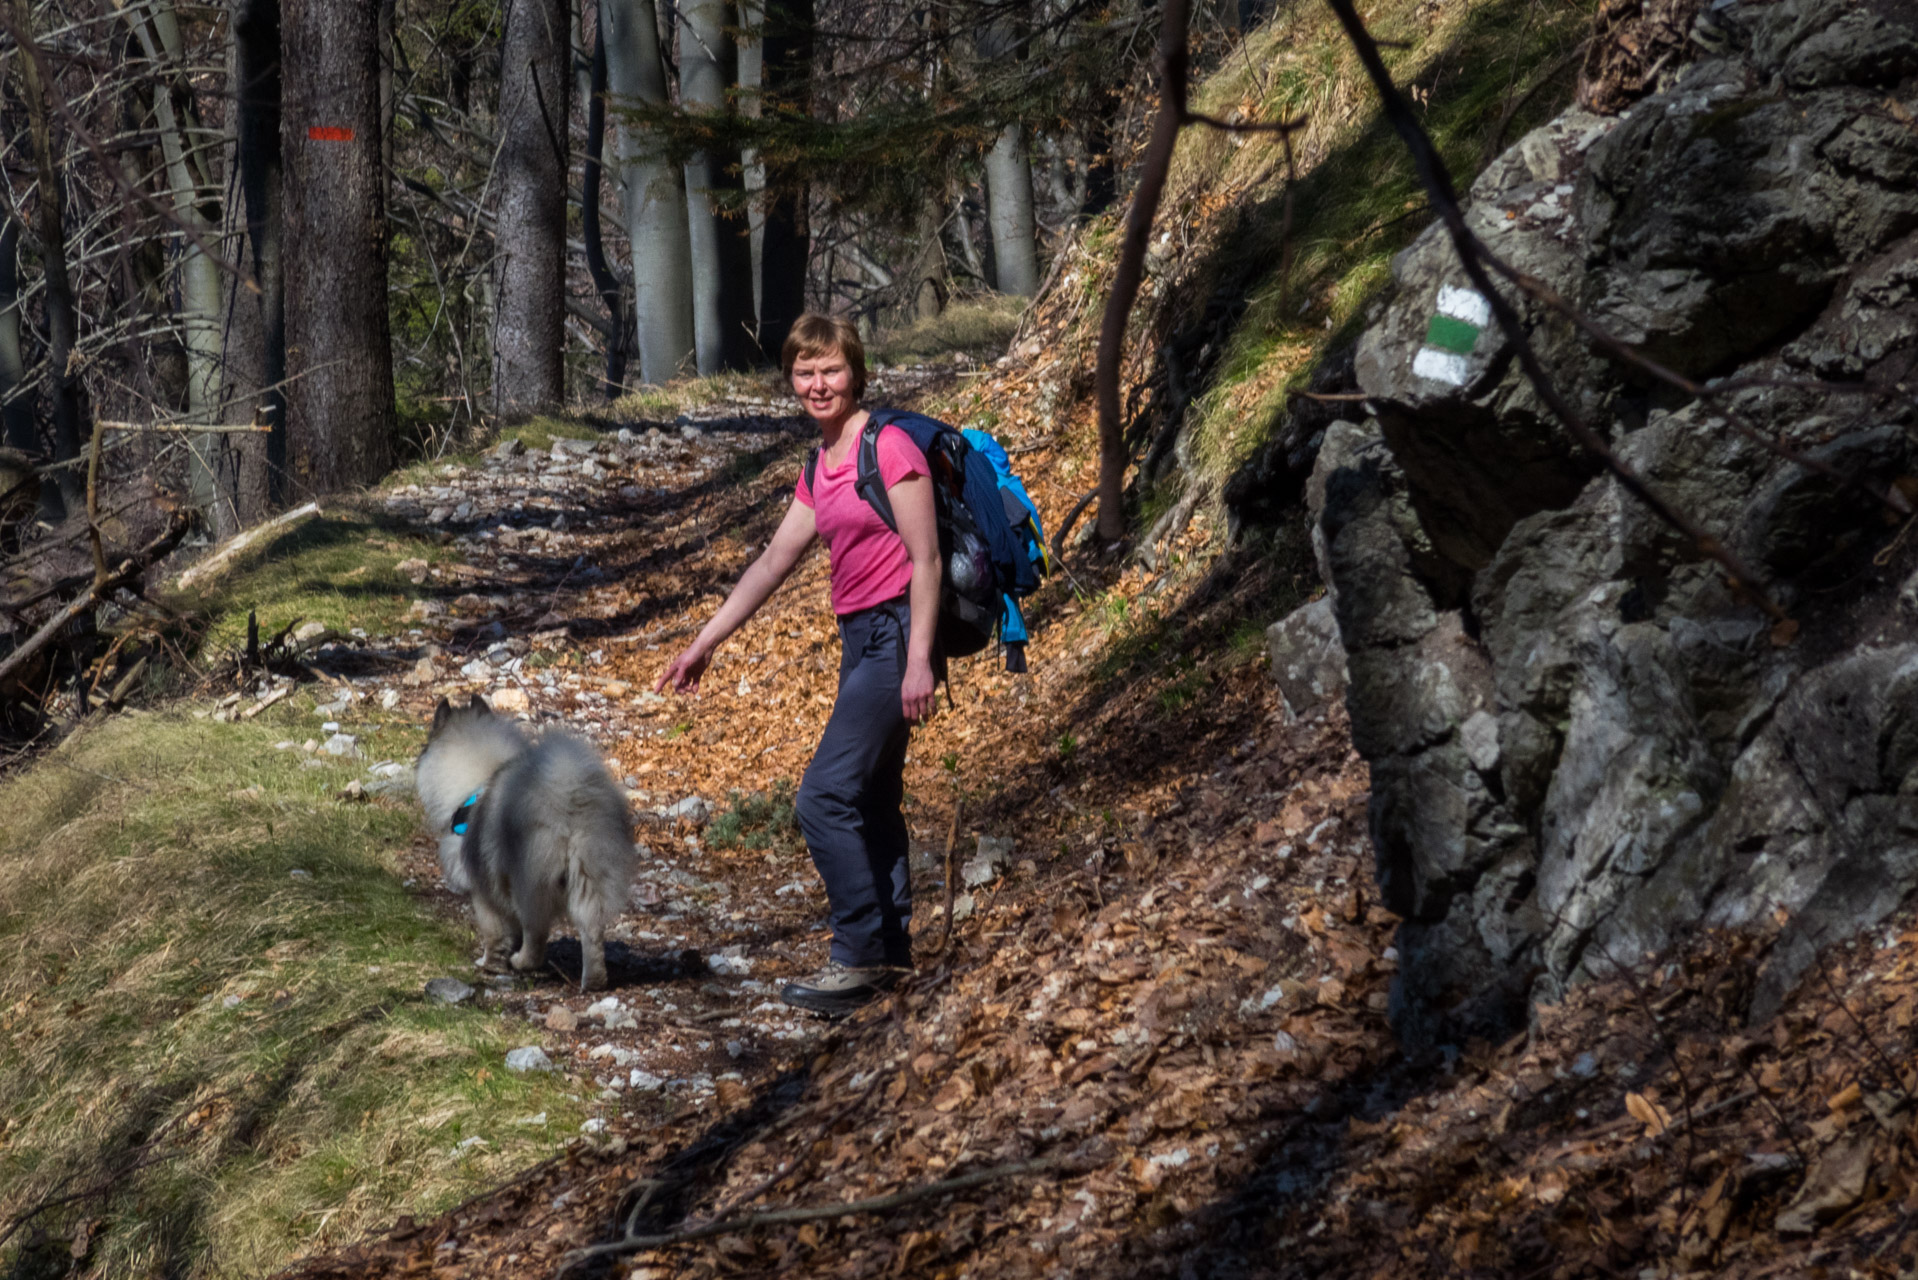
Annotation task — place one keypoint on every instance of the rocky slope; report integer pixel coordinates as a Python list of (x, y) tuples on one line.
[(1586, 742)]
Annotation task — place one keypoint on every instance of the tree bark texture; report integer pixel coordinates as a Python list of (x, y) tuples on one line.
[(1172, 59), (750, 51), (340, 416), (255, 334), (16, 399), (655, 194), (1015, 246), (529, 328), (63, 327), (196, 205), (931, 278), (715, 214), (785, 238), (592, 225)]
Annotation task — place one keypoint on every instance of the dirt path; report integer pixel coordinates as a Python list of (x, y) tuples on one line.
[(1157, 1042), (1142, 778)]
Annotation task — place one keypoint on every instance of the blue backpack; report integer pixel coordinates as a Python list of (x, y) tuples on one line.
[(990, 540)]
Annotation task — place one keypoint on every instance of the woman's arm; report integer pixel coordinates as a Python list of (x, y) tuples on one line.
[(761, 579), (912, 508)]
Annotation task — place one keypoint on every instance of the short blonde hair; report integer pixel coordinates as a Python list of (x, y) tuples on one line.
[(814, 335)]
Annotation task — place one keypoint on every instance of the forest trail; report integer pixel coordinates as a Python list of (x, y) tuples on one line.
[(1155, 806), (1158, 1043)]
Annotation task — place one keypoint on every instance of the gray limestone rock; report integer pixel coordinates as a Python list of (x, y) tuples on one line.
[(1585, 742), (1308, 659), (528, 1058), (449, 991)]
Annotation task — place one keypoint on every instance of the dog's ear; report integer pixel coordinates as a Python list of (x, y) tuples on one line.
[(441, 714), (480, 706)]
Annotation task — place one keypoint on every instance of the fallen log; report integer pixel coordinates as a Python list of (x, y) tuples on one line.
[(217, 562)]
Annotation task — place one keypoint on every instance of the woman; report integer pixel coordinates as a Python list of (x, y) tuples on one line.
[(885, 591)]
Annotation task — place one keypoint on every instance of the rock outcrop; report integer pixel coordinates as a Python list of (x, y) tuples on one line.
[(1585, 741)]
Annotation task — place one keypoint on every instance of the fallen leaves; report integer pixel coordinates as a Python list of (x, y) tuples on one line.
[(1648, 1113)]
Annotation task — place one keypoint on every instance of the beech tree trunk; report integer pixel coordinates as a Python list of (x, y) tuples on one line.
[(592, 229), (785, 238), (196, 206), (716, 222), (256, 322), (1015, 246), (529, 327), (339, 402), (750, 49), (654, 194)]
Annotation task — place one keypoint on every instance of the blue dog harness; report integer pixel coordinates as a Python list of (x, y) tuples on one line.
[(461, 814)]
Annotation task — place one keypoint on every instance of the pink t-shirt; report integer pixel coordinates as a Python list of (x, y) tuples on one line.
[(869, 561)]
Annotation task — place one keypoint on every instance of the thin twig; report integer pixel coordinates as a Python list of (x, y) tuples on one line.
[(952, 841), (1245, 126), (813, 1213)]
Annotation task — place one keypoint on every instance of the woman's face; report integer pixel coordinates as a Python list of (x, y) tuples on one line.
[(823, 384)]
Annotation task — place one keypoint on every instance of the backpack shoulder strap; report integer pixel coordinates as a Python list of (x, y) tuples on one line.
[(812, 470), (870, 484)]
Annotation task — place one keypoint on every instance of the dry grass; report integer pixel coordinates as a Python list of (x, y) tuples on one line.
[(979, 327)]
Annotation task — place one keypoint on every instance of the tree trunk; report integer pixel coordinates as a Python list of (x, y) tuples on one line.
[(592, 225), (931, 280), (257, 344), (1015, 249), (582, 16), (715, 216), (529, 329), (16, 400), (750, 50), (785, 240), (63, 325), (655, 196), (196, 206), (340, 416), (389, 38), (1125, 277)]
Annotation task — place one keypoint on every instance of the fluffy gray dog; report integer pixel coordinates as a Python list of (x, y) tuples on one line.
[(530, 829)]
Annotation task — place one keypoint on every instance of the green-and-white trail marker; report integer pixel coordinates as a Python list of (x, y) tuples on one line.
[(1461, 316)]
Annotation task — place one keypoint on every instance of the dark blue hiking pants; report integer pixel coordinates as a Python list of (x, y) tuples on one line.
[(849, 800)]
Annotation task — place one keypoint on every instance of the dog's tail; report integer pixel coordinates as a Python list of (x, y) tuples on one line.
[(600, 862)]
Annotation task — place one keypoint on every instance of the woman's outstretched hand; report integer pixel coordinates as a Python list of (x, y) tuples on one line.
[(683, 673), (916, 692)]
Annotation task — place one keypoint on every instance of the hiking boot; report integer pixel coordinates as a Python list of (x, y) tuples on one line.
[(838, 989)]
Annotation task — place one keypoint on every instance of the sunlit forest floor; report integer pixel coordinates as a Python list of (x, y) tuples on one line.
[(1155, 1043)]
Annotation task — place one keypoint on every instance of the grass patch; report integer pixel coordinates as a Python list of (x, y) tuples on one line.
[(758, 820), (340, 568), (209, 968), (665, 402), (539, 431), (980, 327)]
